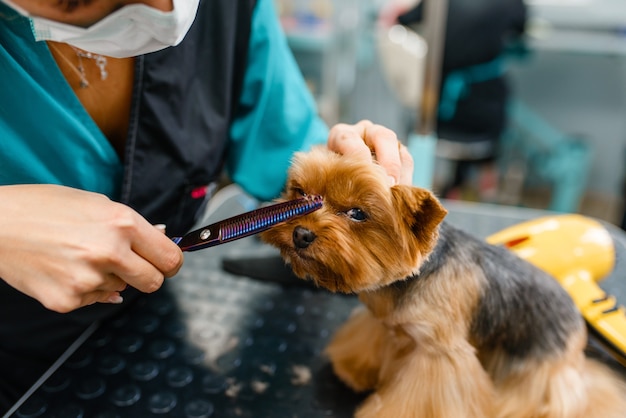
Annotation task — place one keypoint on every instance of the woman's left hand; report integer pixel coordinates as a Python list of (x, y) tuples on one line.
[(366, 138)]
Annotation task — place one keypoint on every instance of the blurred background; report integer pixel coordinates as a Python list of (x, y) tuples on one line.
[(526, 99)]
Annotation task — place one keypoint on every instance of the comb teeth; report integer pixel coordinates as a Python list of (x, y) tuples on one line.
[(265, 219)]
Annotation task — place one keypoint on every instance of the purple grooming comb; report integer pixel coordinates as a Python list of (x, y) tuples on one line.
[(247, 224)]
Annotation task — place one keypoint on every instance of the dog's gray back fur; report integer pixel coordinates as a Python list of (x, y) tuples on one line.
[(523, 310)]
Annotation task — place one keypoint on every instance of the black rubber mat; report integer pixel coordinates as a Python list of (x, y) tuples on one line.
[(206, 345), (215, 344)]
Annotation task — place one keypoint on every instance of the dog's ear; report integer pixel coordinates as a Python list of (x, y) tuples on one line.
[(420, 209)]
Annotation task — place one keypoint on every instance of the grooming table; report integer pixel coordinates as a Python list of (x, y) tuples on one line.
[(214, 344)]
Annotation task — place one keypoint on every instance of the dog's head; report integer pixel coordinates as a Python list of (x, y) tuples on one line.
[(366, 235)]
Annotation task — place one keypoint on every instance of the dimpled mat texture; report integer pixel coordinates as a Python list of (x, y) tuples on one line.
[(208, 344), (212, 344)]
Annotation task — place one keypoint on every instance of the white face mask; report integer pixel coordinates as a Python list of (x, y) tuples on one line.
[(133, 30)]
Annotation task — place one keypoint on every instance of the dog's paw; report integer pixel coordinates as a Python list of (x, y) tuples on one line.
[(356, 350), (355, 375)]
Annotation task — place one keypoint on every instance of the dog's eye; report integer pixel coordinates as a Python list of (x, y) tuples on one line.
[(298, 191), (356, 214)]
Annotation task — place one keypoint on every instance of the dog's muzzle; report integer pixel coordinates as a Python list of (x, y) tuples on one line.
[(303, 237)]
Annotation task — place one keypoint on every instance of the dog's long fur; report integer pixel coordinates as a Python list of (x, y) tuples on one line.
[(452, 327)]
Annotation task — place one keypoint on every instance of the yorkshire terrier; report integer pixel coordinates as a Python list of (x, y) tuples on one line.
[(452, 326)]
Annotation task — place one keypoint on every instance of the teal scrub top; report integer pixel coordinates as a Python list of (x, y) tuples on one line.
[(47, 137)]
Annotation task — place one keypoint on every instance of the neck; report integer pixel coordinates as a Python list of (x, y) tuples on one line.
[(383, 300), (107, 101)]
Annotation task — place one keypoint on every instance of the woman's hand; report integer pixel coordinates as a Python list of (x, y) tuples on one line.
[(69, 248), (365, 138)]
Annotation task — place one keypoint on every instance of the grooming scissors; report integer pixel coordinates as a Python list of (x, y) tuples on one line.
[(247, 224)]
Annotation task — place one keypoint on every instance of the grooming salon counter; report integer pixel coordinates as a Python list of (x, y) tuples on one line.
[(215, 344)]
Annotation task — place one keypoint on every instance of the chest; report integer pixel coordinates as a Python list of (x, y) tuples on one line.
[(103, 85)]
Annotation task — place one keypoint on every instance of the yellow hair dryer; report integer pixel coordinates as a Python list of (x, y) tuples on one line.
[(577, 251)]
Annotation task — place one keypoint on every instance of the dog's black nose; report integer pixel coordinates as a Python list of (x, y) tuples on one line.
[(303, 237)]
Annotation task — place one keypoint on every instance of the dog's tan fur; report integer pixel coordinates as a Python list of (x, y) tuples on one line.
[(418, 344)]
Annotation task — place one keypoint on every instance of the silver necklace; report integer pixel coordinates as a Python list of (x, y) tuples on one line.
[(100, 60)]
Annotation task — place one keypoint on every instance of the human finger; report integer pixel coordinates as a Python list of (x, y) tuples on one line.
[(103, 288), (76, 294), (153, 245), (408, 166), (138, 272), (103, 296), (112, 283), (385, 145), (348, 140), (390, 153)]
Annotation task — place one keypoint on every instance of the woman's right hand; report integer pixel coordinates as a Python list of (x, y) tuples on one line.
[(70, 248)]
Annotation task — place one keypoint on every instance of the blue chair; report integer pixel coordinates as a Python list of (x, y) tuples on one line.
[(549, 156)]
